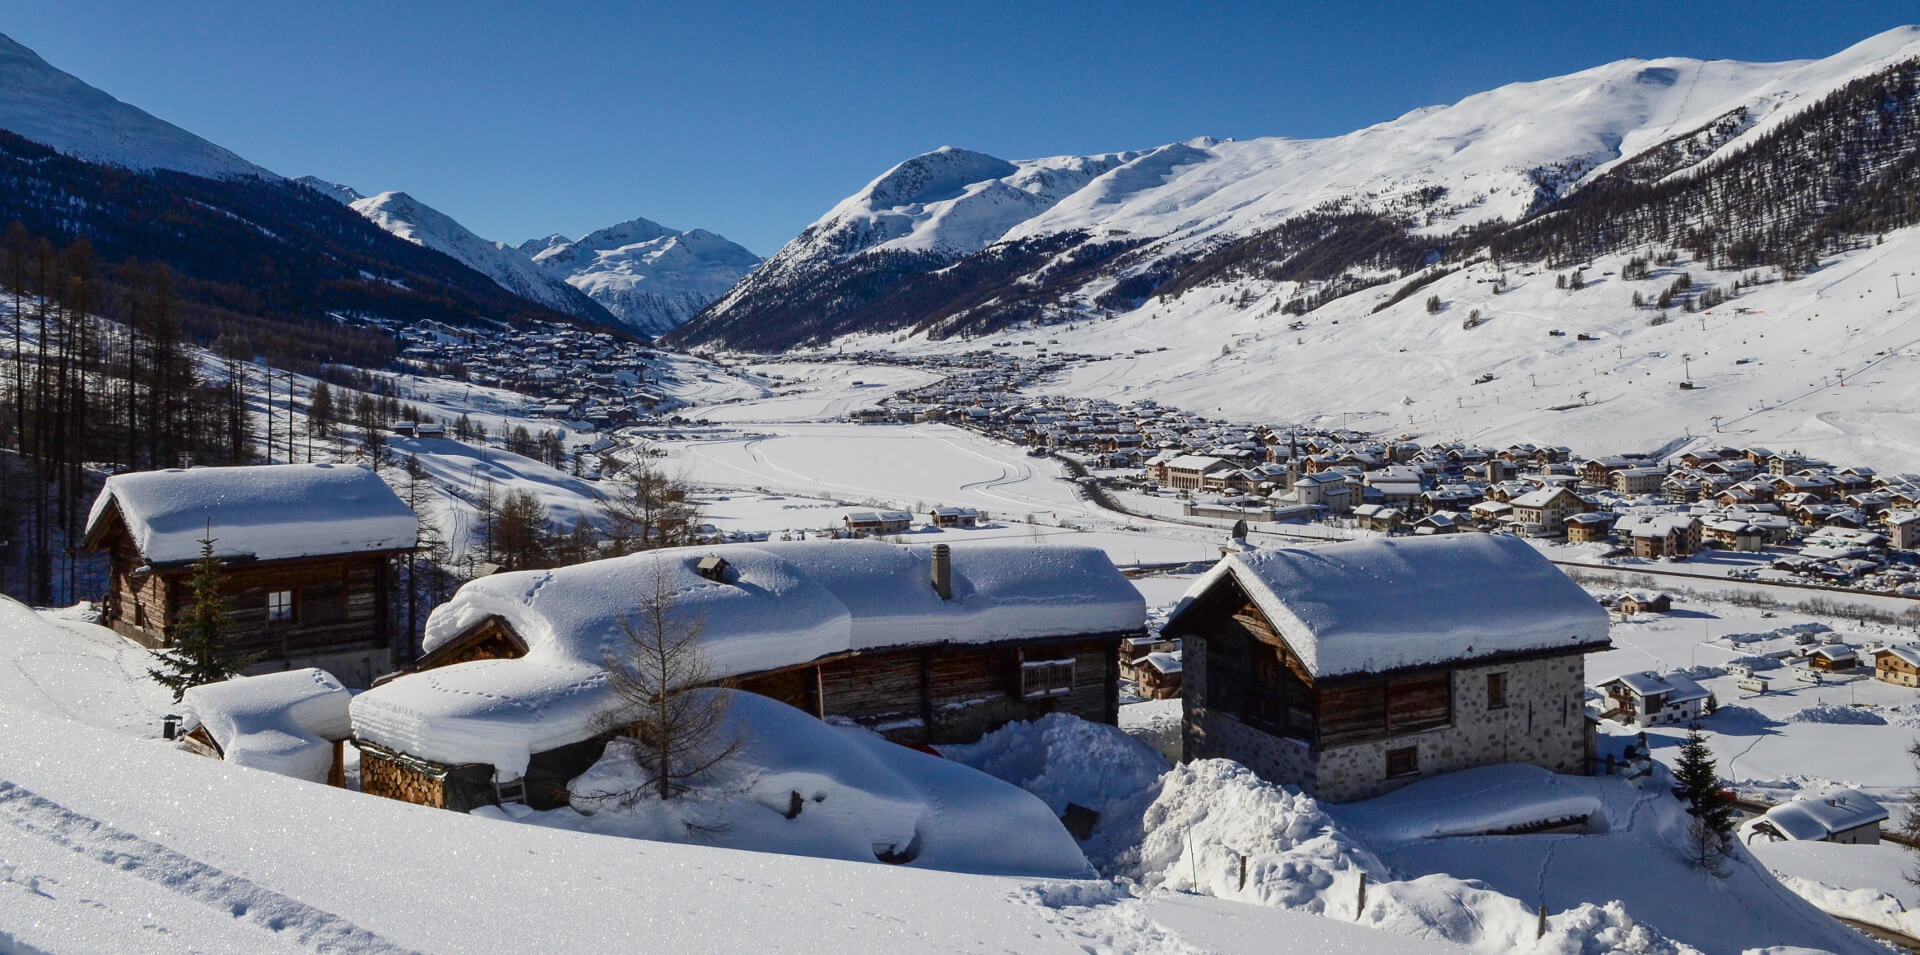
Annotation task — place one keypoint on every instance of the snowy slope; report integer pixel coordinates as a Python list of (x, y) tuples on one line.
[(1497, 155), (1762, 363), (51, 107), (346, 194), (649, 276), (421, 224), (203, 856)]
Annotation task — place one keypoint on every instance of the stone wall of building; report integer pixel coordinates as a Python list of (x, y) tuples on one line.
[(1543, 723)]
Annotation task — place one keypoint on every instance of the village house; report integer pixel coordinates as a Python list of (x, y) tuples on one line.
[(1902, 528), (1635, 481), (1899, 665), (924, 645), (1189, 472), (1544, 513), (962, 517), (304, 552), (1641, 601), (1653, 699), (1832, 658), (1356, 668), (1595, 471), (1440, 522), (1846, 816), (1593, 527), (869, 523), (1378, 517), (1658, 536)]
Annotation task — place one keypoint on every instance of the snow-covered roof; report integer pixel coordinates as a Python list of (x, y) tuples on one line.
[(1167, 663), (1377, 605), (262, 512), (280, 722), (1676, 686), (1817, 817), (1543, 497), (781, 604)]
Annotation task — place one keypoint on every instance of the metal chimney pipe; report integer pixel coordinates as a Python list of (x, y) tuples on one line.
[(943, 571)]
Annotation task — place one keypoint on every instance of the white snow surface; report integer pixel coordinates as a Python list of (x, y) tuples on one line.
[(263, 512), (859, 794), (783, 603), (1376, 605), (1064, 760), (56, 109), (421, 224), (649, 276), (282, 722)]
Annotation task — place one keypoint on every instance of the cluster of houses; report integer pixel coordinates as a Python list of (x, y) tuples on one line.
[(1348, 670), (580, 375), (1425, 670)]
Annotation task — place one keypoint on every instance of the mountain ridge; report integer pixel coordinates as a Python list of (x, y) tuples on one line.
[(1429, 176)]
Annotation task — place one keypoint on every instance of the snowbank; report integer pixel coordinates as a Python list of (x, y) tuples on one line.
[(1374, 605), (1064, 759), (283, 723), (1195, 828), (262, 512), (860, 796)]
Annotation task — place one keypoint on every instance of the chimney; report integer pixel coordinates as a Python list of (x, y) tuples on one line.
[(943, 571)]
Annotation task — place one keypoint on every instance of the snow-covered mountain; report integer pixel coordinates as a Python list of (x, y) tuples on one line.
[(55, 108), (346, 194), (977, 235), (649, 276), (423, 225)]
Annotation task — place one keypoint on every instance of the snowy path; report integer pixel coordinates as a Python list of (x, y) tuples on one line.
[(29, 815)]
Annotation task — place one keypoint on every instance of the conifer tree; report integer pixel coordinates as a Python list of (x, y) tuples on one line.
[(200, 653), (1697, 782)]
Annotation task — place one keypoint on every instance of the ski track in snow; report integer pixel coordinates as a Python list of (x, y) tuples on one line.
[(189, 878)]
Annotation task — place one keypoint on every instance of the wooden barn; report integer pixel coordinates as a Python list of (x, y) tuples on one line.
[(1352, 669), (305, 550), (924, 645)]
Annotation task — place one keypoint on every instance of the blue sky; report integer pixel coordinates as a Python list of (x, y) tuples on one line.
[(752, 119)]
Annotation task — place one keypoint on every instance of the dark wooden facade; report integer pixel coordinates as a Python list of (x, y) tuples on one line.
[(1253, 675), (931, 693), (333, 603)]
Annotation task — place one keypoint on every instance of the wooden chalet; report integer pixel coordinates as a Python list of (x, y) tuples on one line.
[(304, 550), (1899, 665), (923, 645), (1352, 669)]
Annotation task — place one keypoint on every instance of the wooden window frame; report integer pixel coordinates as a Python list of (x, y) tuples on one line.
[(1409, 759), (1045, 679), (276, 614), (1497, 690)]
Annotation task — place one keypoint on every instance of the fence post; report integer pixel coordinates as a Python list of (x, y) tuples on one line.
[(1540, 931), (1243, 873), (1360, 905)]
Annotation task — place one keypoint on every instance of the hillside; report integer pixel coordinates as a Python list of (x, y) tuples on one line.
[(425, 226), (957, 243), (52, 107)]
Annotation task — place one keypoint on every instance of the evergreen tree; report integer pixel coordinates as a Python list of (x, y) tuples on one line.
[(1697, 782), (200, 654)]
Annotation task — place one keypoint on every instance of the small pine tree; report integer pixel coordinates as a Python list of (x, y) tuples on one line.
[(1433, 304), (1697, 782), (199, 654)]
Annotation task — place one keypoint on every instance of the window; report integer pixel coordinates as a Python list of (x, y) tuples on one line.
[(1043, 678), (280, 605), (1496, 691), (1403, 762)]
